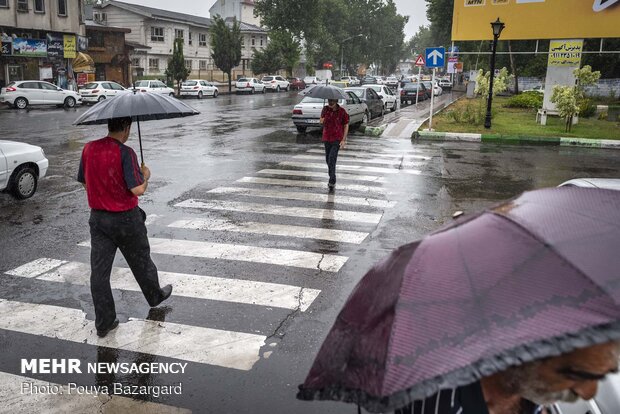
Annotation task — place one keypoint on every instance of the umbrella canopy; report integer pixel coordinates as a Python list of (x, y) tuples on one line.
[(141, 106), (325, 92), (535, 277)]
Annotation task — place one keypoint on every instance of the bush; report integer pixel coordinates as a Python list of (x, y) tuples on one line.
[(528, 100), (468, 114), (586, 108)]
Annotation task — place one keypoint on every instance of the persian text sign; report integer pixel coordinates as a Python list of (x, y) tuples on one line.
[(29, 47), (69, 46), (565, 53), (536, 19)]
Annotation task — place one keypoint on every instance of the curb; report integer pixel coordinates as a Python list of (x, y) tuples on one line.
[(514, 139)]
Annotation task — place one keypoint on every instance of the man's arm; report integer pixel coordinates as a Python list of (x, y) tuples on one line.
[(141, 189), (343, 143)]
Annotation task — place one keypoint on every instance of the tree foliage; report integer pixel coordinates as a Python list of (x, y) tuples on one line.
[(500, 82), (569, 99), (266, 61), (176, 65), (226, 46)]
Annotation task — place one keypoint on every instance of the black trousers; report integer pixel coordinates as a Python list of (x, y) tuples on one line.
[(331, 156), (125, 231)]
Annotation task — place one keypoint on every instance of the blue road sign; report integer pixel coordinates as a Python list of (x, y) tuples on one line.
[(435, 57)]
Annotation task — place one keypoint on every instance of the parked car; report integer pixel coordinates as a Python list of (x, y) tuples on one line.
[(249, 85), (297, 84), (386, 94), (276, 83), (391, 81), (312, 80), (371, 99), (355, 81), (21, 168), (154, 86), (369, 80), (94, 92), (410, 90), (198, 88), (538, 89), (445, 84), (348, 79), (307, 113), (435, 88), (22, 94)]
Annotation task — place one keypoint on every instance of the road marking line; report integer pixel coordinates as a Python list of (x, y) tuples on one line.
[(236, 350), (352, 159), (361, 154), (36, 267), (293, 195), (315, 213), (266, 255), (152, 218), (340, 167), (17, 398), (324, 175), (195, 286), (310, 184)]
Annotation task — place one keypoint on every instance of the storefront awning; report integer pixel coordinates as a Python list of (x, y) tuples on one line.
[(83, 63)]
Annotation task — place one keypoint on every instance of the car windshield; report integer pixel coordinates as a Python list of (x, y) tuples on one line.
[(189, 83), (142, 84), (411, 86), (91, 85), (242, 80), (358, 91), (376, 88), (267, 78)]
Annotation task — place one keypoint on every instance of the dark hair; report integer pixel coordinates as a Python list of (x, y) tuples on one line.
[(118, 124)]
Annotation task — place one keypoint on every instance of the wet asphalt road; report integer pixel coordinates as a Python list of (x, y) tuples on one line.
[(235, 137)]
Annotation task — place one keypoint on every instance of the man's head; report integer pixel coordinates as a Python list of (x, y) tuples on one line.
[(120, 127), (332, 103), (567, 377)]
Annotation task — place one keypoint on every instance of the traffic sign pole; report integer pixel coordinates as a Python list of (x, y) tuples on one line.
[(430, 121), (419, 80)]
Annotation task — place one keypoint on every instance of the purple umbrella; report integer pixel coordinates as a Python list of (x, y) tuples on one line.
[(535, 277)]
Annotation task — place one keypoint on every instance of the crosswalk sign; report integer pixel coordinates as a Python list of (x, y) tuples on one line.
[(420, 61)]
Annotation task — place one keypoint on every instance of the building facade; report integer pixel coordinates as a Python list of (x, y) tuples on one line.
[(40, 39), (109, 52), (242, 10), (152, 34)]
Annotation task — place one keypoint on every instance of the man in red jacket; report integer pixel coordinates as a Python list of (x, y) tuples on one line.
[(335, 122), (113, 179)]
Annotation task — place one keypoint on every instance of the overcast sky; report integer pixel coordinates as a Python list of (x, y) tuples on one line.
[(415, 9)]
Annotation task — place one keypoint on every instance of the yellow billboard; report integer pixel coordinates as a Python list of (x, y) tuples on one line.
[(536, 19)]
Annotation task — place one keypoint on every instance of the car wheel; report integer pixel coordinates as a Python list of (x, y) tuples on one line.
[(69, 102), (264, 90), (101, 98), (278, 88), (199, 95), (252, 91), (23, 183), (301, 129), (171, 94), (287, 89), (21, 103), (393, 107), (365, 118), (215, 94)]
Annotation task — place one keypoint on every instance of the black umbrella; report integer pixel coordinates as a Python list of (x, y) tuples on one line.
[(325, 92), (140, 106)]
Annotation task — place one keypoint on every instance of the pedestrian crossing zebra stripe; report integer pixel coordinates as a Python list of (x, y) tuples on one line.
[(185, 285), (344, 158), (238, 252), (292, 195), (324, 175), (17, 399), (340, 167), (234, 350), (342, 236), (360, 154), (310, 184), (305, 212)]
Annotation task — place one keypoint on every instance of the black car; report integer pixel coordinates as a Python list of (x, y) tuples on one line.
[(408, 93), (372, 100), (369, 80)]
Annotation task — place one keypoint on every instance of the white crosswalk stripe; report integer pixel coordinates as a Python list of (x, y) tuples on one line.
[(343, 158), (310, 184), (315, 213), (342, 236), (266, 255), (339, 167), (290, 195), (235, 350), (324, 175), (186, 285), (365, 154)]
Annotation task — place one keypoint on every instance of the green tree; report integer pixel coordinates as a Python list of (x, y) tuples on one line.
[(226, 46), (176, 65), (288, 50), (568, 99), (267, 61)]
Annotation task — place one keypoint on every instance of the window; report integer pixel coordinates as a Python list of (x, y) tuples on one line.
[(261, 41), (95, 39), (157, 34), (116, 86), (4, 3), (153, 63), (62, 7), (189, 38), (29, 85), (39, 6), (135, 62), (253, 40), (22, 5), (178, 33), (188, 64), (202, 64), (202, 39), (242, 42), (48, 86)]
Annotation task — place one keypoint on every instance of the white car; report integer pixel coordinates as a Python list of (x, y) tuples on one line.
[(312, 80), (94, 92), (387, 96), (307, 113), (249, 85), (445, 84), (350, 80), (391, 81), (276, 83), (21, 167), (21, 94), (153, 86), (356, 81), (538, 89), (198, 88)]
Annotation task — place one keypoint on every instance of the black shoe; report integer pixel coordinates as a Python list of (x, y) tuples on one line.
[(104, 332), (166, 291), (331, 186)]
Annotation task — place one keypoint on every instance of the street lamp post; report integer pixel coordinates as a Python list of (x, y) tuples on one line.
[(342, 52), (497, 26)]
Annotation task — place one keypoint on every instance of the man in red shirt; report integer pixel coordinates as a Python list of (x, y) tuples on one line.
[(113, 181), (335, 122)]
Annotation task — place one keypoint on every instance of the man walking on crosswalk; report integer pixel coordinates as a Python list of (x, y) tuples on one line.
[(113, 181), (335, 122)]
